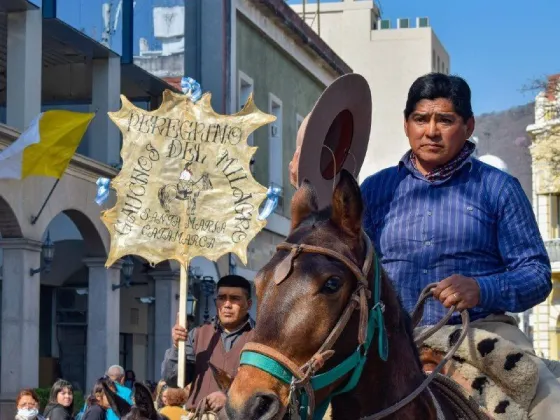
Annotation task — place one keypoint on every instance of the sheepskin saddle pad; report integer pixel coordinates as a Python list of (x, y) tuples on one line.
[(494, 371)]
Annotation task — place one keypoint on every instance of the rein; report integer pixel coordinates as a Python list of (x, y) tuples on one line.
[(304, 380)]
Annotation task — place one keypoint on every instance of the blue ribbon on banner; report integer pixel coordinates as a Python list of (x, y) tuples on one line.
[(102, 190), (191, 87), (272, 197)]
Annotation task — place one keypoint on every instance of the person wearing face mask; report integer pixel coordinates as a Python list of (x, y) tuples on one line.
[(61, 401), (27, 403)]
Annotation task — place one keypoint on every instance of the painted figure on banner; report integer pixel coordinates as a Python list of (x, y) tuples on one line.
[(186, 190)]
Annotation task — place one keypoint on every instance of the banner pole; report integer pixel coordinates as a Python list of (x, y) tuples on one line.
[(183, 296)]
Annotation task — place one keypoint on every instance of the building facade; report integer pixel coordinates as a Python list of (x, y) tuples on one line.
[(390, 55), (544, 322), (77, 318)]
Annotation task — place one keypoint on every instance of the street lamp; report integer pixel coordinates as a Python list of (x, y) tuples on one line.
[(127, 269), (47, 252), (191, 304), (207, 284)]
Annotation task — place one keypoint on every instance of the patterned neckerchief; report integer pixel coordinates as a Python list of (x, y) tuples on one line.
[(445, 171)]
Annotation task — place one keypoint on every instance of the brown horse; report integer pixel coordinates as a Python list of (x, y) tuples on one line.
[(303, 293)]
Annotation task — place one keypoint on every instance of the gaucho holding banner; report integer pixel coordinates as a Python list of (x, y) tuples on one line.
[(185, 188)]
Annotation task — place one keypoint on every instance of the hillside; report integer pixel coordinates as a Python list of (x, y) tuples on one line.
[(504, 134)]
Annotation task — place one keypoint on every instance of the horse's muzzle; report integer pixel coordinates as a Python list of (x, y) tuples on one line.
[(261, 406)]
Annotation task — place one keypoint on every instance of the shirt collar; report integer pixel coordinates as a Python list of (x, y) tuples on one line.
[(249, 322), (405, 162)]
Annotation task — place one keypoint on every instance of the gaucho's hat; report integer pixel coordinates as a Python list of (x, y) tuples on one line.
[(335, 135)]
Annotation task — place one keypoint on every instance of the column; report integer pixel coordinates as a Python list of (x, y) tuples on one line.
[(150, 365), (166, 308), (20, 319), (106, 88), (24, 64), (103, 318)]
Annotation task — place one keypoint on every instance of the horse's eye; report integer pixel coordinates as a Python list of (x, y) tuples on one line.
[(332, 285)]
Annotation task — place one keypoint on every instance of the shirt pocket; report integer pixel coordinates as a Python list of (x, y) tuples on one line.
[(480, 227)]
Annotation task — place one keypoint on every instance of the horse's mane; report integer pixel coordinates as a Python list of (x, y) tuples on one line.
[(404, 318)]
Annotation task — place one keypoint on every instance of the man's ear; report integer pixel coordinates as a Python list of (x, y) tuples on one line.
[(405, 127), (470, 127)]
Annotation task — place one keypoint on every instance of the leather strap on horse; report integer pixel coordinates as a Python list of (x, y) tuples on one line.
[(424, 385), (462, 405), (418, 311)]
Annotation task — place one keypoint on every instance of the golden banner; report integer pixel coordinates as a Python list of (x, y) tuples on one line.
[(185, 188)]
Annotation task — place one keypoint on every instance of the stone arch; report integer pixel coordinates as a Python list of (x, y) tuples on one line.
[(94, 246), (9, 224), (92, 238)]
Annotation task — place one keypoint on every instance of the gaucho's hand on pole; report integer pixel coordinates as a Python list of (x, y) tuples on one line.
[(458, 290), (178, 333)]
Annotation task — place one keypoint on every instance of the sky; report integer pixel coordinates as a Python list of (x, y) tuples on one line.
[(498, 46)]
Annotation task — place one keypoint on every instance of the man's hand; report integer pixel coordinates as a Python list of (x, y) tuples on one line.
[(458, 290), (178, 333), (216, 401)]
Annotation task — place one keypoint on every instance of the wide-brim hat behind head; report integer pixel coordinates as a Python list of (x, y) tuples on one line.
[(335, 135)]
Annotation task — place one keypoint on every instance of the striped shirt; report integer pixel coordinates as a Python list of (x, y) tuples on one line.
[(476, 222)]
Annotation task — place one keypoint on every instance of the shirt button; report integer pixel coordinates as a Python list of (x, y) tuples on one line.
[(470, 208), (427, 243), (425, 271), (429, 213)]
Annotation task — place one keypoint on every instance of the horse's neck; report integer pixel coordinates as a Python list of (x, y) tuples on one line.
[(383, 384)]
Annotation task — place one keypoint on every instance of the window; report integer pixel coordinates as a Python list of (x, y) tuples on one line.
[(275, 149), (385, 24), (433, 60), (423, 22), (438, 65), (403, 23), (244, 89)]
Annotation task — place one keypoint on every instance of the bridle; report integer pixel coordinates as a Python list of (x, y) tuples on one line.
[(303, 380)]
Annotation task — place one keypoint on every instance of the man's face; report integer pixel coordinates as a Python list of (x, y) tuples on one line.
[(233, 305), (436, 132)]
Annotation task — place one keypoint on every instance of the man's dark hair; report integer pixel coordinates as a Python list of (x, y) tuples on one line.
[(233, 280), (437, 85)]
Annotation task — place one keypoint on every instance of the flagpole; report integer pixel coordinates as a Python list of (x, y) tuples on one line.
[(35, 218)]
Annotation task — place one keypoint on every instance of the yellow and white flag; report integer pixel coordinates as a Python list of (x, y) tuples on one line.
[(46, 147)]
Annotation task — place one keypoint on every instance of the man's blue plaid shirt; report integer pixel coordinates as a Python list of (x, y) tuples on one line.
[(478, 223)]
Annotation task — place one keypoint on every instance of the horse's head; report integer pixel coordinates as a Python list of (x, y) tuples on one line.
[(302, 294)]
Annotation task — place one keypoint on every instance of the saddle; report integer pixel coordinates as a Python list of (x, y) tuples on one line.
[(497, 374)]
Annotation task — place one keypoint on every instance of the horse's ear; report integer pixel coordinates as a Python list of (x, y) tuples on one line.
[(304, 203), (347, 204), (223, 379)]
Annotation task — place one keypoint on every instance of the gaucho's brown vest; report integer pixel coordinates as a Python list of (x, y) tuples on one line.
[(208, 347)]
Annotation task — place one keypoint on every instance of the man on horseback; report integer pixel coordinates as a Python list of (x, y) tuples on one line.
[(442, 216), (218, 344)]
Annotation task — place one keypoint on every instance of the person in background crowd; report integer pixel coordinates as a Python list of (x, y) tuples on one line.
[(130, 379), (219, 343), (161, 387), (27, 404), (143, 408), (103, 398), (61, 401), (117, 375), (175, 399)]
